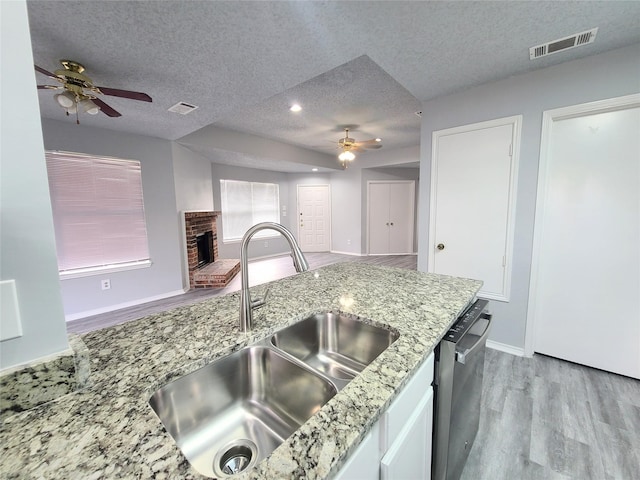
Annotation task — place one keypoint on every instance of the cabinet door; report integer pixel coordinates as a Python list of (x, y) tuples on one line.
[(364, 463), (410, 455)]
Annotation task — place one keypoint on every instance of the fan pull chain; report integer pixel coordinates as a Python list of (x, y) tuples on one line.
[(77, 108)]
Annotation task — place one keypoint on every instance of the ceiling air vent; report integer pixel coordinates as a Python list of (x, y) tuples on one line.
[(565, 43), (183, 108)]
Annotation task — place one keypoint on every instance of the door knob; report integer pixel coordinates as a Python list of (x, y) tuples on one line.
[(440, 246)]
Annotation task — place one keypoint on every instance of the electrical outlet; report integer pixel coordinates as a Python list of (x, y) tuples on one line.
[(348, 241), (266, 244), (106, 284)]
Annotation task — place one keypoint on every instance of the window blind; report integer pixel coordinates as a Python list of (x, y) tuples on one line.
[(98, 211), (246, 203)]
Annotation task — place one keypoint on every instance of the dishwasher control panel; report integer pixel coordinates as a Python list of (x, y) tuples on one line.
[(465, 321)]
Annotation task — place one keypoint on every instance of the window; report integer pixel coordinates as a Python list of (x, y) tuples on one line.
[(246, 203), (98, 213)]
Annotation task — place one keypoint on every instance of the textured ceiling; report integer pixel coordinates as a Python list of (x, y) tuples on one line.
[(363, 63)]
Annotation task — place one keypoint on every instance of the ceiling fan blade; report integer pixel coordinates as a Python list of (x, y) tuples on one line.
[(372, 145), (49, 87), (106, 109), (45, 72), (114, 92)]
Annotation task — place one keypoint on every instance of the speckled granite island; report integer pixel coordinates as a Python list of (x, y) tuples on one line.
[(108, 429)]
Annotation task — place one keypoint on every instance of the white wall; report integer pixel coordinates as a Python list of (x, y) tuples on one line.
[(212, 138), (194, 191), (388, 158), (192, 178), (82, 296), (27, 240), (607, 75), (346, 211)]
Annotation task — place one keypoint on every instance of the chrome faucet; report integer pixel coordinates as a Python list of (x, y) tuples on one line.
[(299, 262)]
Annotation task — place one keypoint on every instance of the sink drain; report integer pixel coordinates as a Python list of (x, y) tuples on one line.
[(236, 457)]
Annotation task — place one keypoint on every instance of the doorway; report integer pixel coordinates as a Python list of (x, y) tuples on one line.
[(584, 301), (314, 218)]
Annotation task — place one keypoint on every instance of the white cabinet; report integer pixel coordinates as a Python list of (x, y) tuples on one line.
[(410, 455), (364, 463), (391, 217), (398, 447)]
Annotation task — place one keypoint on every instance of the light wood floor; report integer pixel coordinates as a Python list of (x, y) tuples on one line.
[(544, 418), (260, 271), (541, 418)]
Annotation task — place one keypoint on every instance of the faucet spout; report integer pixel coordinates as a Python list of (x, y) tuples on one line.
[(299, 262)]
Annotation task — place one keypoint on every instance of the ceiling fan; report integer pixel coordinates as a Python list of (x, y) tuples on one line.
[(349, 145), (80, 94)]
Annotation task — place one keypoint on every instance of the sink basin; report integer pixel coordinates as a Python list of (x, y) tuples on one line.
[(232, 413), (339, 346)]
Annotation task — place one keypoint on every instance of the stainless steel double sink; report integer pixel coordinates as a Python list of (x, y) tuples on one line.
[(232, 413)]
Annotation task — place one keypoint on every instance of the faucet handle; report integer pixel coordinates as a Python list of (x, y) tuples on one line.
[(261, 302)]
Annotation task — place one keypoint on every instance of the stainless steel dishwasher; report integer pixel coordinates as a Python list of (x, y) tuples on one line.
[(457, 391)]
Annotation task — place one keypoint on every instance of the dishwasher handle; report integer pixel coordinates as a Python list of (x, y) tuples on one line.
[(461, 357)]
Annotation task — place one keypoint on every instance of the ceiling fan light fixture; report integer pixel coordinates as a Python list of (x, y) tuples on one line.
[(295, 108), (346, 156), (89, 107), (65, 99), (73, 109)]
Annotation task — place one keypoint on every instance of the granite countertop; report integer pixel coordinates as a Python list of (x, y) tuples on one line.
[(108, 430)]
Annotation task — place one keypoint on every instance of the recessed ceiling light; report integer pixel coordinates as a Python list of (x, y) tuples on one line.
[(295, 107), (378, 139), (314, 169)]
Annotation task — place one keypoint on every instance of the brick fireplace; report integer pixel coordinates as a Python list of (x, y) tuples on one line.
[(206, 269)]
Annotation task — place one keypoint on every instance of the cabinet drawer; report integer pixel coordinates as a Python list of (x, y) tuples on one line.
[(405, 404)]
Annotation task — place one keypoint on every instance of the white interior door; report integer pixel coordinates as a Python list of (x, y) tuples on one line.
[(472, 203), (314, 218), (391, 217), (401, 217), (378, 218), (586, 284)]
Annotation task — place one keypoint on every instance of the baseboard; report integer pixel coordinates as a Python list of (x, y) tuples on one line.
[(111, 308), (370, 255), (267, 257), (503, 347)]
